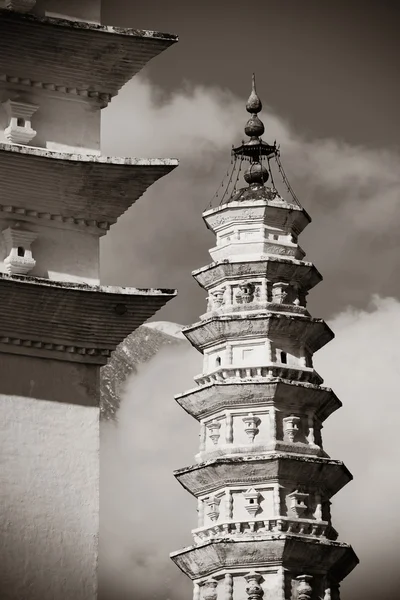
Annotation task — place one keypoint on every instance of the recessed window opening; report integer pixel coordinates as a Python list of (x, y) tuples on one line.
[(218, 361), (283, 357), (251, 500), (21, 122), (275, 236), (21, 251)]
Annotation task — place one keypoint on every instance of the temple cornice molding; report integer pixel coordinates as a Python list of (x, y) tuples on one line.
[(71, 321), (95, 58), (206, 477), (326, 556), (312, 332), (207, 399), (74, 189), (291, 270)]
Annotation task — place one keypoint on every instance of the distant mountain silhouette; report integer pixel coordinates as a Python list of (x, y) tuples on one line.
[(138, 348)]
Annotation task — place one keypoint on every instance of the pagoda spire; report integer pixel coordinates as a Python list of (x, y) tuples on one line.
[(263, 480)]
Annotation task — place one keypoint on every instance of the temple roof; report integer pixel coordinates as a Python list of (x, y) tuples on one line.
[(79, 189), (71, 321), (74, 56)]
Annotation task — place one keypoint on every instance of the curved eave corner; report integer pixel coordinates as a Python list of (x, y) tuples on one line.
[(96, 58)]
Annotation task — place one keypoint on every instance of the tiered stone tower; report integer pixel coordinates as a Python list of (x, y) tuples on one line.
[(262, 479), (58, 68)]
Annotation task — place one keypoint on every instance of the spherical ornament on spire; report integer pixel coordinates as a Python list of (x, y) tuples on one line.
[(256, 174), (254, 127), (254, 104)]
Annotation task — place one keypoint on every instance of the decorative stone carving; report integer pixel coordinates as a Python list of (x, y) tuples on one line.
[(251, 428), (210, 589), (304, 589), (214, 427), (213, 507), (19, 5), (218, 298), (19, 259), (291, 427), (245, 293), (19, 130), (253, 587), (298, 502), (280, 292), (252, 501)]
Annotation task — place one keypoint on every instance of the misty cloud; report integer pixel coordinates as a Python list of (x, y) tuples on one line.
[(146, 514)]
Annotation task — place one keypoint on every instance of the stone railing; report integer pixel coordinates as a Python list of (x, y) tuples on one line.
[(270, 371), (309, 527)]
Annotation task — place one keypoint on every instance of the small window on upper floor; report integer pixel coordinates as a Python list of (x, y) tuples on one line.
[(21, 122), (284, 358), (21, 251), (275, 236), (218, 361)]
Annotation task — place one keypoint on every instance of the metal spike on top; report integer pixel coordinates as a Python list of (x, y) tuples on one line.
[(254, 104)]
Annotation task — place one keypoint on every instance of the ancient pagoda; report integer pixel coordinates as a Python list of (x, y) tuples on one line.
[(262, 480), (59, 67)]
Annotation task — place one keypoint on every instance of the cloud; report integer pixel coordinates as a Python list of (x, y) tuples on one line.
[(351, 192), (146, 514)]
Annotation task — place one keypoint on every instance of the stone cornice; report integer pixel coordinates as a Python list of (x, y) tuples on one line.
[(76, 189), (314, 333), (203, 478), (279, 213), (207, 399), (71, 321), (274, 268), (321, 556), (96, 59)]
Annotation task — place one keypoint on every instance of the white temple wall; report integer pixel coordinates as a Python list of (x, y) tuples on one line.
[(49, 478), (62, 124), (60, 254)]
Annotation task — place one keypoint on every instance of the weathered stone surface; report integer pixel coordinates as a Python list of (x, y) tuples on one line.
[(82, 189), (273, 268), (72, 321), (313, 332), (95, 58), (330, 475), (207, 399), (328, 557)]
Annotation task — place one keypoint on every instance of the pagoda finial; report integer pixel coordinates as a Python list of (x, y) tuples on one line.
[(254, 127), (254, 104)]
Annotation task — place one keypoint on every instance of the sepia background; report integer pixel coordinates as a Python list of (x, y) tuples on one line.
[(327, 73)]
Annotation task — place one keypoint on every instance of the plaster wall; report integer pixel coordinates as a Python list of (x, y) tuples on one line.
[(77, 10), (49, 479), (62, 124), (60, 254)]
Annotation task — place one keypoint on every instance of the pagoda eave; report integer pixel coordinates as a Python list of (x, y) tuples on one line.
[(73, 321), (76, 57), (324, 473), (277, 212), (293, 552), (314, 333), (75, 189), (274, 268), (203, 401)]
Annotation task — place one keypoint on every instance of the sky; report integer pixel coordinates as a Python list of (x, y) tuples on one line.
[(327, 73)]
